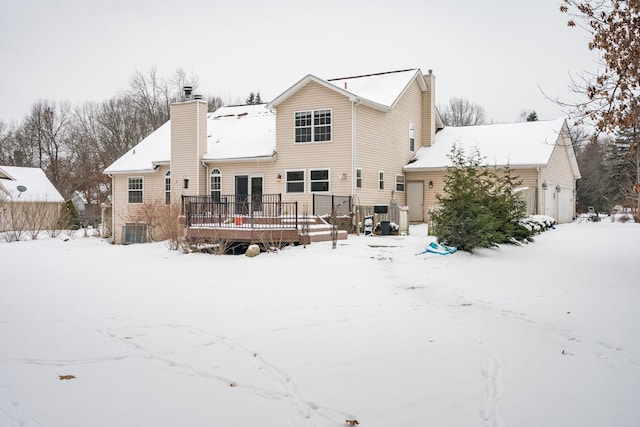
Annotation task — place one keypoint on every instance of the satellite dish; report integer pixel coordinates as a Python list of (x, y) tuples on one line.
[(21, 188)]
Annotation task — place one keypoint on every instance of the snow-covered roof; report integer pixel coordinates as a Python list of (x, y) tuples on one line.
[(240, 132), (380, 90), (33, 182), (514, 144), (233, 133), (154, 149)]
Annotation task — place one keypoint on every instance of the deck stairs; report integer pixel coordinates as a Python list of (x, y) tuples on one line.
[(316, 229)]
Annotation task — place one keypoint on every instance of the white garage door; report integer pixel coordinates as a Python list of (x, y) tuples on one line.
[(565, 205)]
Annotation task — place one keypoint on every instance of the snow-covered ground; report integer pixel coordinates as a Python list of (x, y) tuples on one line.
[(546, 334)]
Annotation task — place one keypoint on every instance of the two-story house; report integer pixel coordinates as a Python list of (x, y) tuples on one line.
[(241, 166)]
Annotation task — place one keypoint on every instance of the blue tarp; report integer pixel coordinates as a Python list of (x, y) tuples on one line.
[(437, 248)]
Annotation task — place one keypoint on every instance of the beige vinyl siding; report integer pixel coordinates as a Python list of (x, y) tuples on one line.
[(559, 173), (383, 144), (528, 176), (263, 168), (334, 155), (529, 179), (429, 112), (23, 216), (152, 192), (188, 145), (429, 196)]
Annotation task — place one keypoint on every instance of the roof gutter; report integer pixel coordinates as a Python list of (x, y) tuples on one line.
[(410, 168), (240, 159), (130, 171)]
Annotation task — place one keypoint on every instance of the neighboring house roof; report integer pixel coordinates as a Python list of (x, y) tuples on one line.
[(33, 182), (233, 133), (526, 144), (379, 91)]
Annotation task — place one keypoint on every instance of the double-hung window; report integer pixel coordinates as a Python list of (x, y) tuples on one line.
[(135, 189), (295, 181), (381, 180), (319, 180), (399, 183), (358, 178), (313, 126)]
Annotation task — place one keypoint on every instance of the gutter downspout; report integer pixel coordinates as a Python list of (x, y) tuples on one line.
[(354, 103), (113, 213), (197, 146), (206, 174), (538, 188)]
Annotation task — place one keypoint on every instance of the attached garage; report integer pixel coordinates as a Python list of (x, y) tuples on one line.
[(539, 153)]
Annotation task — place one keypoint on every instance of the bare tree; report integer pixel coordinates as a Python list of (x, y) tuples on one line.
[(6, 149), (462, 112), (612, 94), (178, 80), (149, 94), (46, 131)]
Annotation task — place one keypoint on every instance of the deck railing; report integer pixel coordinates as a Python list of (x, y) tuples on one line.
[(260, 211)]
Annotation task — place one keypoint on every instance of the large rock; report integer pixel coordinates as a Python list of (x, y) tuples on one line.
[(252, 250)]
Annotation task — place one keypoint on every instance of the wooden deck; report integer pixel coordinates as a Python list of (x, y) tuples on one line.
[(264, 220)]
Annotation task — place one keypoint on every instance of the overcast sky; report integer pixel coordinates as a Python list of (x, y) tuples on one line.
[(499, 54)]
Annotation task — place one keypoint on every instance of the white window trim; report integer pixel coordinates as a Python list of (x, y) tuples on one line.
[(313, 141), (167, 191), (328, 180), (129, 190), (359, 177), (215, 172), (412, 139), (381, 181), (304, 183)]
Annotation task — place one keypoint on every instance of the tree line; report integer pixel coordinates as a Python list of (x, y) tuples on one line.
[(610, 169), (73, 144)]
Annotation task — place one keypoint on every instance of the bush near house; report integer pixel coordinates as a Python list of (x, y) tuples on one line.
[(479, 207)]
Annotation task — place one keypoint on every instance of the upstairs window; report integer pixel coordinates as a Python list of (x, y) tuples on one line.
[(313, 126), (135, 189)]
